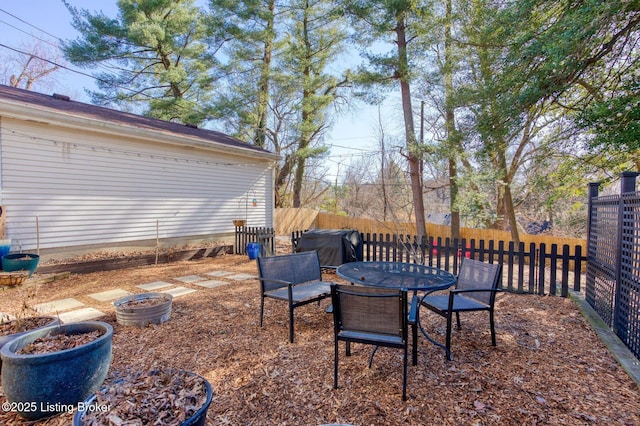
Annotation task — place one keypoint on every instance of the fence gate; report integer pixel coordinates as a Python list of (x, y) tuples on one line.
[(613, 272)]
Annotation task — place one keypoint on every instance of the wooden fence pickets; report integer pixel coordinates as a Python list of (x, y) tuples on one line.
[(537, 265), (528, 268), (251, 234)]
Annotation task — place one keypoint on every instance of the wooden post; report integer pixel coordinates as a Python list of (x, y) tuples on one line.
[(157, 240), (3, 224), (37, 236)]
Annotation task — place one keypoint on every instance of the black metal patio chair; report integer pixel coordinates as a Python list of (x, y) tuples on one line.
[(373, 316), (475, 291), (293, 278)]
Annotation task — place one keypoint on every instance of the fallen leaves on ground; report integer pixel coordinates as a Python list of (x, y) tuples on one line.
[(549, 367)]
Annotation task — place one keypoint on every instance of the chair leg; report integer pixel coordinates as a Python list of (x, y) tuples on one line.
[(493, 328), (335, 364), (458, 319), (348, 348), (291, 324), (373, 352), (414, 332), (261, 309), (448, 343), (404, 375)]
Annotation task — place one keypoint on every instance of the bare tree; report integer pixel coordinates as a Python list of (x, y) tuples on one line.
[(31, 64)]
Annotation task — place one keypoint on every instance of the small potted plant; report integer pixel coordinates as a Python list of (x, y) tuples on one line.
[(168, 397), (52, 369)]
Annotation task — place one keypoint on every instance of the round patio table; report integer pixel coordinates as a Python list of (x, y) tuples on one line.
[(405, 276), (410, 277)]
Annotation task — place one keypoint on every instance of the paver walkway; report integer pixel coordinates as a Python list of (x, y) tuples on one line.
[(72, 310)]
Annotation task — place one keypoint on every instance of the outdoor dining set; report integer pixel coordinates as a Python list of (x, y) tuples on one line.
[(382, 300)]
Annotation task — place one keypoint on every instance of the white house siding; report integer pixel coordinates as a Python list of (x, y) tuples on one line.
[(64, 188)]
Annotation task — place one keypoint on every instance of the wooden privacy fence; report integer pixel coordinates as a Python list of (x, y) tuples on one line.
[(528, 268), (288, 220)]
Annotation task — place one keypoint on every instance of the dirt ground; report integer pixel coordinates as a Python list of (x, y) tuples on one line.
[(548, 368)]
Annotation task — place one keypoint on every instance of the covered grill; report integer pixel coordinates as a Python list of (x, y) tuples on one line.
[(334, 246)]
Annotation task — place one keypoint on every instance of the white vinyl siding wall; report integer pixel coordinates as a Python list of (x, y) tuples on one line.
[(89, 188)]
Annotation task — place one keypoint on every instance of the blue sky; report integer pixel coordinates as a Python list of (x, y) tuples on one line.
[(353, 136)]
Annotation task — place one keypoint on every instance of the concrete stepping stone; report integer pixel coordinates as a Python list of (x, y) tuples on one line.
[(84, 314), (190, 279), (105, 296), (211, 283), (58, 305), (219, 273), (156, 285), (179, 291), (241, 277)]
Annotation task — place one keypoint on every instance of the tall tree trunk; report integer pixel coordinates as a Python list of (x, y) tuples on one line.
[(452, 140), (383, 174), (297, 182), (305, 134), (413, 155), (508, 207), (263, 84), (510, 213), (281, 178)]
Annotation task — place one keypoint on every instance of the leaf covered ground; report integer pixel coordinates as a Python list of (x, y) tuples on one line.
[(549, 366)]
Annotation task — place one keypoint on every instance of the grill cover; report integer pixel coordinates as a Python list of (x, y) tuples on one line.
[(334, 246)]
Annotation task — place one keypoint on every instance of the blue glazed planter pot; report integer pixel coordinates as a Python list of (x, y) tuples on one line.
[(198, 418), (43, 385), (20, 262), (8, 337)]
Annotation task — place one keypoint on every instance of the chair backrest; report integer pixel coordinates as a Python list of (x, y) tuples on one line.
[(475, 274), (369, 310), (295, 268)]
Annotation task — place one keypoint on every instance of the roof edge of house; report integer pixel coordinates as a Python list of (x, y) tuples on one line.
[(22, 109)]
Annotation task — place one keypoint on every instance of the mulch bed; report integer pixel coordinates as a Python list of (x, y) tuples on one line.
[(549, 366)]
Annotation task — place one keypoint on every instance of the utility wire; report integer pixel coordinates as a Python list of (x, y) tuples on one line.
[(29, 34), (31, 25), (67, 68), (49, 61), (58, 40)]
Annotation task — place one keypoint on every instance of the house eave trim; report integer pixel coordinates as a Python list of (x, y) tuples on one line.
[(29, 112)]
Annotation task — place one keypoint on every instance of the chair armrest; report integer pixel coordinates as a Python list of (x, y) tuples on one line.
[(274, 280), (473, 290), (413, 310), (453, 293)]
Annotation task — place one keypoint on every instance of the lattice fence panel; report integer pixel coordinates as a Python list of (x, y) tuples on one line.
[(603, 246), (626, 319)]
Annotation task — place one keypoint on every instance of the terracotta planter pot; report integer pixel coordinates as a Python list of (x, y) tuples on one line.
[(42, 385)]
